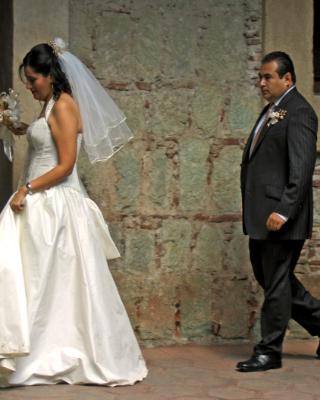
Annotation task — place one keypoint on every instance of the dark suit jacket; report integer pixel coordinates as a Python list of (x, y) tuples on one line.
[(278, 175)]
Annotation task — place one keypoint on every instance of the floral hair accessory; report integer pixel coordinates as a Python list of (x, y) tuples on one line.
[(58, 46), (276, 116)]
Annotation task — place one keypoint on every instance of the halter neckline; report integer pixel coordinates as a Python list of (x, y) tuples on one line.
[(49, 107)]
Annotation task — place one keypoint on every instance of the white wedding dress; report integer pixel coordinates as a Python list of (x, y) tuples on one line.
[(61, 317)]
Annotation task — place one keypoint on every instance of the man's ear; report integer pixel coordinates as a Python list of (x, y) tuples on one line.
[(288, 78)]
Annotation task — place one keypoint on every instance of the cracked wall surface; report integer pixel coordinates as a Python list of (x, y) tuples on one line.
[(184, 73)]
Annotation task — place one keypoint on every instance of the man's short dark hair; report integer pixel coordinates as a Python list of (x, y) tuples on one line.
[(284, 62)]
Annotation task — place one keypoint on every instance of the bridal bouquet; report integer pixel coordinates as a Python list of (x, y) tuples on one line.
[(9, 108), (9, 115)]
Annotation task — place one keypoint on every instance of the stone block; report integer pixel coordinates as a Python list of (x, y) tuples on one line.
[(113, 57), (128, 166), (207, 108), (193, 174), (179, 56), (169, 112), (159, 177), (148, 43), (158, 309), (139, 250), (209, 249), (194, 303), (225, 191), (80, 37), (243, 111), (230, 308), (216, 44), (135, 106), (236, 253), (175, 239), (157, 324)]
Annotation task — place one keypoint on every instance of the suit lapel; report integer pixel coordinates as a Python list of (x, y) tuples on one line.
[(263, 133), (249, 141)]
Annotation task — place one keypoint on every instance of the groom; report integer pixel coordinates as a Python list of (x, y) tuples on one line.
[(276, 184)]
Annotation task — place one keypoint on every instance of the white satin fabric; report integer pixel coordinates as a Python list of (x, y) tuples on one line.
[(61, 317)]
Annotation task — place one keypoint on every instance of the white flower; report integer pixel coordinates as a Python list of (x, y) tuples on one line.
[(276, 116), (9, 112), (9, 107), (58, 45)]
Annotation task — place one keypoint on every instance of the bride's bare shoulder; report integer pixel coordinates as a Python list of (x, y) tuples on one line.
[(65, 107), (66, 102)]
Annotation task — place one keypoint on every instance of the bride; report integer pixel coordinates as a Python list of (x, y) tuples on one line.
[(61, 316)]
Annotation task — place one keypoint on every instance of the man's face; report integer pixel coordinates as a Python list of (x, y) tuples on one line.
[(271, 85)]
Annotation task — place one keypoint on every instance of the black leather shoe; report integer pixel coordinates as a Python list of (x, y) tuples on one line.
[(259, 362), (318, 350)]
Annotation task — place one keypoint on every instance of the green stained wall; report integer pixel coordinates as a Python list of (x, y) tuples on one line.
[(184, 74)]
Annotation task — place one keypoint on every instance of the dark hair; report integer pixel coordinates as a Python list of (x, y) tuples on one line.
[(43, 60), (284, 62)]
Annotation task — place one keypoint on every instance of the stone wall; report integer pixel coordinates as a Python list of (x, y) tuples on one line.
[(184, 73)]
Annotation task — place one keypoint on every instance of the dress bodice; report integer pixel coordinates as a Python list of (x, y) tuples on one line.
[(42, 153)]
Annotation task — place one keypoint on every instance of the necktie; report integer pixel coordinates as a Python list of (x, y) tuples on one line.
[(264, 123)]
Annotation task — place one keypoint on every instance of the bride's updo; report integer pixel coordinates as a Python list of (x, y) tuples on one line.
[(43, 60)]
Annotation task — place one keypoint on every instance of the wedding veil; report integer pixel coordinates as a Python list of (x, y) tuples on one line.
[(104, 128)]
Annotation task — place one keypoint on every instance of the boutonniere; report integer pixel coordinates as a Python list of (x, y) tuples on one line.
[(276, 116)]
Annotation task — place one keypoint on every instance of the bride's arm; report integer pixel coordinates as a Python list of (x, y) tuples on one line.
[(64, 124)]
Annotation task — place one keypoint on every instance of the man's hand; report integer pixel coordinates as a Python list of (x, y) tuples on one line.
[(274, 222)]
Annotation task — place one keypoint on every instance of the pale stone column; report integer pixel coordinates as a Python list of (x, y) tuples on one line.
[(288, 26), (34, 21), (5, 82)]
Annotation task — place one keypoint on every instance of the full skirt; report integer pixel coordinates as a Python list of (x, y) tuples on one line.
[(61, 317)]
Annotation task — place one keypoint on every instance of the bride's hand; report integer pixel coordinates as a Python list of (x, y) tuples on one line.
[(18, 200), (18, 129)]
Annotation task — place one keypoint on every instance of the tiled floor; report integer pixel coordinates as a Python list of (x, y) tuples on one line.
[(201, 372)]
